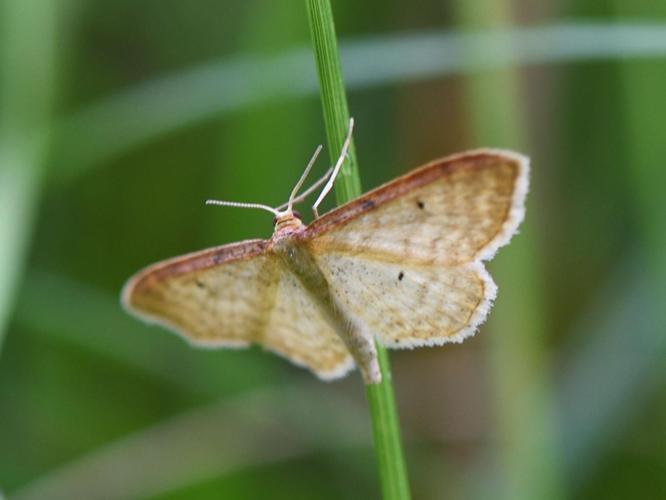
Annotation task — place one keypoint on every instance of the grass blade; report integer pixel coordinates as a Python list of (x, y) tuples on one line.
[(381, 400), (26, 99)]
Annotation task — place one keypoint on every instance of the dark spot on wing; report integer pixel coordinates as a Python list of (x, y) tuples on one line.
[(200, 284), (401, 275), (367, 204), (420, 204)]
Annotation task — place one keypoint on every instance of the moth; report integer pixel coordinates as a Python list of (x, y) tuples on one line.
[(401, 265)]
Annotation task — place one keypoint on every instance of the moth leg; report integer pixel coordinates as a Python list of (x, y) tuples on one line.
[(344, 154)]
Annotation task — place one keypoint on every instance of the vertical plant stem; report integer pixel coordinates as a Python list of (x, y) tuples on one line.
[(333, 96), (381, 399), (528, 457)]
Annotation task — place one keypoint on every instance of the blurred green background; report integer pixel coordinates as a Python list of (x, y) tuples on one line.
[(117, 119)]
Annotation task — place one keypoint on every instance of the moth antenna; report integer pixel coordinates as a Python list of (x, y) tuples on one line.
[(242, 205), (336, 170), (300, 182), (308, 191)]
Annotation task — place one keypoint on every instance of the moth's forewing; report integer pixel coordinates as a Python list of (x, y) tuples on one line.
[(450, 211), (215, 297), (234, 295)]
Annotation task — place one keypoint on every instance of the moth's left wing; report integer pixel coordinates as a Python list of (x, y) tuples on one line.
[(299, 331), (222, 296), (234, 295)]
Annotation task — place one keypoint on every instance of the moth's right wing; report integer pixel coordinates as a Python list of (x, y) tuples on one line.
[(405, 258), (451, 211), (410, 304)]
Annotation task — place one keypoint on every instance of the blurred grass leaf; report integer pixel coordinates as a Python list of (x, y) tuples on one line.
[(112, 126), (27, 82), (260, 427)]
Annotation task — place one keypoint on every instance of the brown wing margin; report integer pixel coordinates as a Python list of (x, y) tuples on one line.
[(401, 185), (191, 262)]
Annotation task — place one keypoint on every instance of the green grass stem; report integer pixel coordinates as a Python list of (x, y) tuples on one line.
[(381, 399)]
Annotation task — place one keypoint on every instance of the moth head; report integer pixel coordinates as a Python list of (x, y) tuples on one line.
[(287, 221)]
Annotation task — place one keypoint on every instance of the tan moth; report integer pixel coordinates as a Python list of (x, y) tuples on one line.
[(401, 264)]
